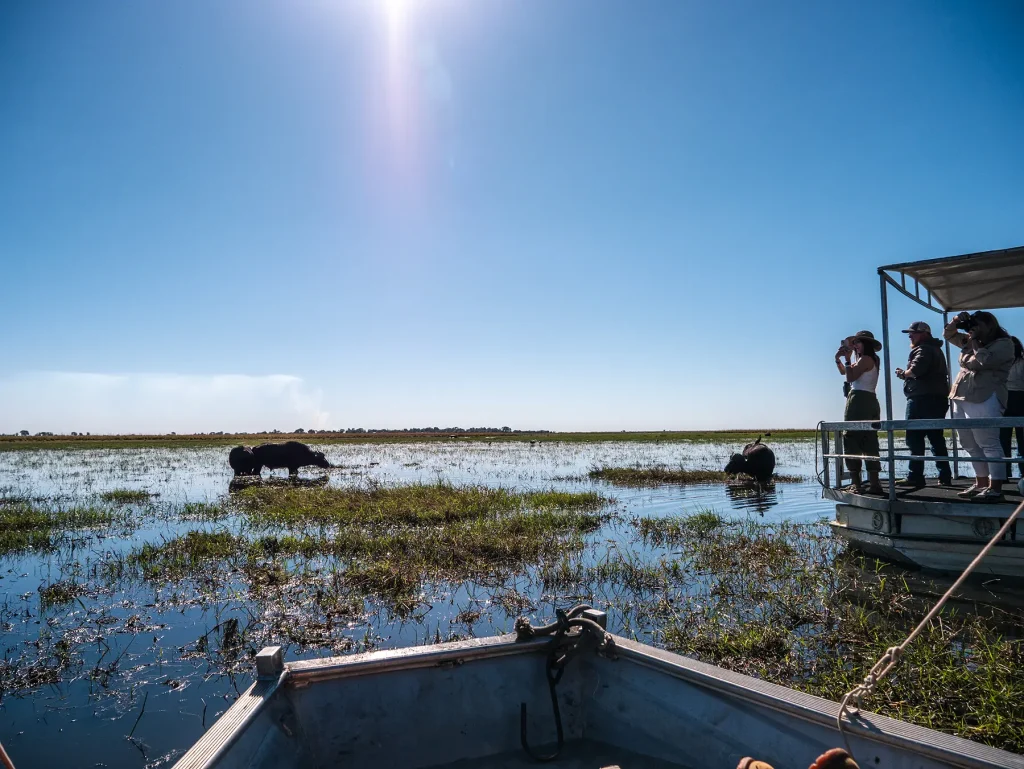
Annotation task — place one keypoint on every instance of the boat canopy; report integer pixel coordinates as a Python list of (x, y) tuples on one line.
[(984, 281)]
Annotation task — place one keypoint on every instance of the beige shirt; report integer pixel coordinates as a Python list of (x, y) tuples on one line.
[(983, 370)]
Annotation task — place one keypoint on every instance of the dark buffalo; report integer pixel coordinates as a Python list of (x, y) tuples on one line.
[(243, 461), (293, 455), (757, 460)]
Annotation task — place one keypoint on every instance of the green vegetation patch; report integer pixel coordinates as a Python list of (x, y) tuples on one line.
[(676, 529), (385, 540), (783, 603), (60, 593), (186, 555), (452, 551), (65, 442), (413, 505), (32, 526), (204, 511), (126, 496), (639, 476)]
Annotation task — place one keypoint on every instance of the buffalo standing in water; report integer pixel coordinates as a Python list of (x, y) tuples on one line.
[(293, 455), (757, 460)]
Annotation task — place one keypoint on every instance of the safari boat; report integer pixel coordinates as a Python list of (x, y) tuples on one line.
[(930, 527), (581, 698)]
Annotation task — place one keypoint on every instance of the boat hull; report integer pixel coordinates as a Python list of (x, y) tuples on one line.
[(934, 554), (454, 705), (943, 539)]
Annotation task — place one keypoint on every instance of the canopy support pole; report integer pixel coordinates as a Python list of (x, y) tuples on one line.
[(888, 385), (952, 414)]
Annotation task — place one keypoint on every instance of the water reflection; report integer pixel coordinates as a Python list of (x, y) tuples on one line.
[(751, 496)]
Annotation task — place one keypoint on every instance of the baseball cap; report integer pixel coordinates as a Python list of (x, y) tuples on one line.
[(919, 326)]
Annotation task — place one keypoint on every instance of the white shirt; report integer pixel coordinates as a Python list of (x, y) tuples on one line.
[(867, 381)]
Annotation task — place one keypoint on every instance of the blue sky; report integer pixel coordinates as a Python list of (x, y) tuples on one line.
[(570, 215)]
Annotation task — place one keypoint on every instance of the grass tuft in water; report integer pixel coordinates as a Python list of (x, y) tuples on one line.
[(185, 555), (674, 529), (640, 476), (413, 505), (126, 496), (60, 593), (204, 511), (31, 526)]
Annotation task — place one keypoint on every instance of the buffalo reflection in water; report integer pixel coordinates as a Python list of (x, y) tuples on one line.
[(750, 495)]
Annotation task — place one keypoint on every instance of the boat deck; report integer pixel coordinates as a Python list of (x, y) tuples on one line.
[(932, 499), (935, 493), (585, 754)]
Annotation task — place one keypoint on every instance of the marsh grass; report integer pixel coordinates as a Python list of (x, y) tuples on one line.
[(185, 555), (60, 593), (640, 476), (388, 541), (204, 511), (412, 505), (781, 602), (674, 529), (380, 555), (34, 526), (126, 496), (44, 663), (66, 442)]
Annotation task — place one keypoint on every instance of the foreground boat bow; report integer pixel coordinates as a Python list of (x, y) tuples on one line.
[(458, 704)]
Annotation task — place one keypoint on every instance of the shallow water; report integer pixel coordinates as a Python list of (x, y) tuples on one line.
[(138, 670)]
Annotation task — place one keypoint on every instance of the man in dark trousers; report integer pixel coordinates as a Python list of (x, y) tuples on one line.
[(926, 385)]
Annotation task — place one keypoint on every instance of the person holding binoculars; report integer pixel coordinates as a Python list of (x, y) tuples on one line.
[(979, 392)]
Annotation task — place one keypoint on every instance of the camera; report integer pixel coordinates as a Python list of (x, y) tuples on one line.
[(964, 321)]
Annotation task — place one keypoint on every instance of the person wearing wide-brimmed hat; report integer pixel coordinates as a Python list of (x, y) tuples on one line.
[(861, 405)]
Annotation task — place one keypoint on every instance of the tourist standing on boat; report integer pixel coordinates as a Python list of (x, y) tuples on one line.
[(1014, 408), (926, 385), (861, 405), (979, 392)]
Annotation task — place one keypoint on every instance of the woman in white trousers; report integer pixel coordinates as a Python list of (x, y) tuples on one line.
[(979, 392)]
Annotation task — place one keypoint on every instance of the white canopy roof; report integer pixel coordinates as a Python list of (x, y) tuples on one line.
[(984, 281)]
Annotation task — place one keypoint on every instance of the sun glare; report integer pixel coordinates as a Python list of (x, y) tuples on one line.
[(399, 78), (397, 13)]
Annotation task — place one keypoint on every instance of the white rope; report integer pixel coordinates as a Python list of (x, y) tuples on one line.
[(892, 655)]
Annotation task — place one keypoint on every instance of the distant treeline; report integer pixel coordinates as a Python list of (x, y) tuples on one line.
[(361, 430), (313, 431)]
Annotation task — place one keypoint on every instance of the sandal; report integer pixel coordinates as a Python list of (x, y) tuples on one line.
[(837, 758), (753, 763)]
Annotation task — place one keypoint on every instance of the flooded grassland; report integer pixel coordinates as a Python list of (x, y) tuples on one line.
[(138, 583)]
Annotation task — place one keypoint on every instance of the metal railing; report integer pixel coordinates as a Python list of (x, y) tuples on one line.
[(892, 455)]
